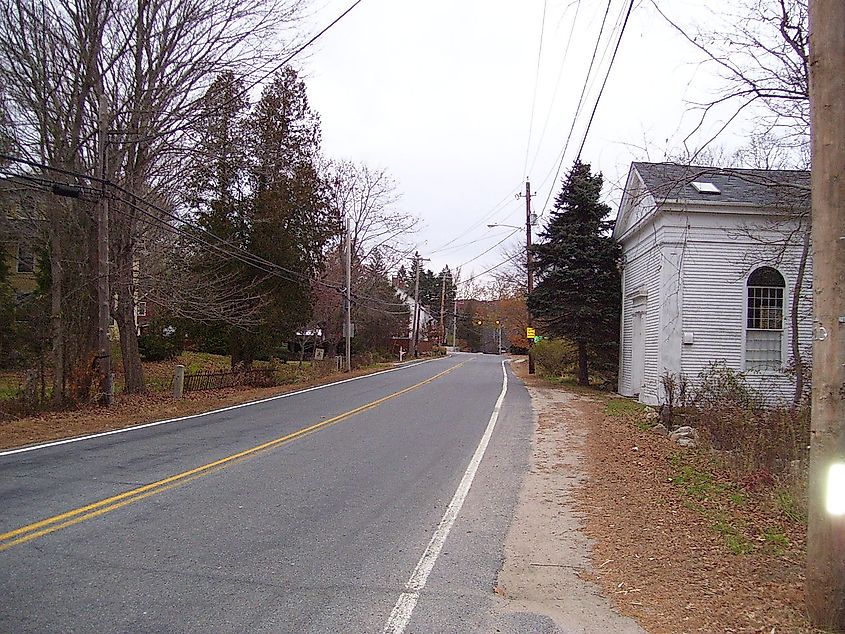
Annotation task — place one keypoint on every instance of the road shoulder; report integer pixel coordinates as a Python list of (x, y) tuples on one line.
[(546, 548), (140, 409)]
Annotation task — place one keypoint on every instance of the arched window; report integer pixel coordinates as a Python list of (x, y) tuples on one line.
[(764, 320)]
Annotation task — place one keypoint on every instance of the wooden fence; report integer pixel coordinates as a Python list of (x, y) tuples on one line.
[(255, 377)]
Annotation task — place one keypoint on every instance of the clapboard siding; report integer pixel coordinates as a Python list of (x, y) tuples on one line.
[(715, 273), (713, 306), (642, 268), (695, 260)]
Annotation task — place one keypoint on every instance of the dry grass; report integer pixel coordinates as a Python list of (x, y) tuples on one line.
[(681, 544)]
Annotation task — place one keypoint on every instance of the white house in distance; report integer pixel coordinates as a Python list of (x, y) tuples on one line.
[(426, 317), (710, 259)]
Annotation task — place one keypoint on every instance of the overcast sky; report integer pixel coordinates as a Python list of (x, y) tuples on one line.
[(440, 93)]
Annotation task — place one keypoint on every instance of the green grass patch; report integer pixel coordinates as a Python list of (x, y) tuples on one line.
[(738, 545), (696, 484), (10, 384), (789, 505), (735, 541), (622, 406), (204, 362), (737, 498), (776, 541)]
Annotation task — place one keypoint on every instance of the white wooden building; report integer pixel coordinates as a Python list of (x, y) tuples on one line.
[(709, 268)]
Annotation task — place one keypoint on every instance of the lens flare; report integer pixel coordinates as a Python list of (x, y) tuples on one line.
[(836, 489)]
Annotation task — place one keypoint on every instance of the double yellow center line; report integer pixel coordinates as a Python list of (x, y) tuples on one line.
[(89, 511)]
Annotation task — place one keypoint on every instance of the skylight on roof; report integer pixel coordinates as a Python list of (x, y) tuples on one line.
[(705, 188)]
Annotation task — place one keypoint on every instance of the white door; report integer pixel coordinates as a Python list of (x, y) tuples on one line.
[(637, 353)]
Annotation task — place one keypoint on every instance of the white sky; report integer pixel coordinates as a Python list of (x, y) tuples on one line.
[(440, 94)]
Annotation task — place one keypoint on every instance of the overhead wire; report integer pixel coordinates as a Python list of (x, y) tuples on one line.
[(557, 86), (562, 154), (485, 252), (606, 75), (486, 216), (536, 83), (219, 247), (265, 76), (492, 236)]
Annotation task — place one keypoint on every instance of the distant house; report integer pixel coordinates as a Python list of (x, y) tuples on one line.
[(425, 315), (710, 262)]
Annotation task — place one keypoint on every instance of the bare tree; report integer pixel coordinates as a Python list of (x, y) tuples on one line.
[(368, 198), (761, 50), (152, 59), (512, 278)]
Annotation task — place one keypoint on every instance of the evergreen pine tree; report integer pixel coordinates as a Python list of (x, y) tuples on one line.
[(578, 295)]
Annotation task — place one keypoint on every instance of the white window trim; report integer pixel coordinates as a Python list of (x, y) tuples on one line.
[(784, 331)]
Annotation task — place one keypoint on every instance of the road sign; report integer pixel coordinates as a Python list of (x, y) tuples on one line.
[(537, 339), (530, 333)]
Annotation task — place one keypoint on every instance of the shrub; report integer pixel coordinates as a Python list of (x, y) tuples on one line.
[(160, 342), (733, 418), (555, 357)]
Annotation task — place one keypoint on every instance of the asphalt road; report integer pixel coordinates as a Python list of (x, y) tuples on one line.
[(308, 513)]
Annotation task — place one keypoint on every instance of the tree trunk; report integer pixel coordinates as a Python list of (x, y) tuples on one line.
[(583, 372), (133, 374), (56, 322), (242, 350), (797, 357)]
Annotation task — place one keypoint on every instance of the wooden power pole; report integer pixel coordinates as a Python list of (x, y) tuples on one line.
[(348, 316), (443, 308), (530, 269), (105, 388), (826, 524), (416, 304)]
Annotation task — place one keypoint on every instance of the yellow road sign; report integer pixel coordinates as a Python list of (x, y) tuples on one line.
[(530, 333)]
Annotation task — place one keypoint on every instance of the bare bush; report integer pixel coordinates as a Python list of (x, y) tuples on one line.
[(732, 418)]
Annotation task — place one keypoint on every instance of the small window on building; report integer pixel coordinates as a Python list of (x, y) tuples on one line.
[(142, 309), (703, 187), (25, 259), (764, 320)]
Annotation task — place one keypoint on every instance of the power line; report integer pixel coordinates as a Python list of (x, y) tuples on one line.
[(536, 82), (557, 86), (606, 75), (486, 216), (492, 268), (485, 252), (492, 236), (234, 251), (269, 73), (577, 109)]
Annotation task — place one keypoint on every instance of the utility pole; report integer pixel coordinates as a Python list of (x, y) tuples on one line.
[(106, 389), (443, 308), (530, 268), (416, 337), (348, 297), (455, 322), (826, 496), (416, 303)]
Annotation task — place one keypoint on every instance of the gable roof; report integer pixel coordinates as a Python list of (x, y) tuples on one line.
[(762, 188)]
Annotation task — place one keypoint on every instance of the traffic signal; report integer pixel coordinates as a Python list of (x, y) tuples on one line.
[(478, 322)]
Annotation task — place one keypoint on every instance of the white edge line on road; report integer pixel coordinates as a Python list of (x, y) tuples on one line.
[(123, 430), (401, 614)]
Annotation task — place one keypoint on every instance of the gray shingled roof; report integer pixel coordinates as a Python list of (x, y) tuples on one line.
[(766, 188)]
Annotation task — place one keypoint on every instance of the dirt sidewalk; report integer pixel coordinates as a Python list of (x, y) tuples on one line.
[(546, 547), (617, 520)]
